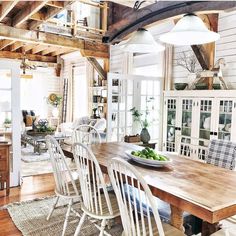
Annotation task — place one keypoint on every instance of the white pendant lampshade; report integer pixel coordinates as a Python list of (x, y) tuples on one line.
[(190, 30), (141, 42)]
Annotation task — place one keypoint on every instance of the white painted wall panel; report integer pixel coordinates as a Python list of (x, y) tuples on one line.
[(226, 46)]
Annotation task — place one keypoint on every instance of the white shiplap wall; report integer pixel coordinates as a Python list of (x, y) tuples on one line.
[(226, 46), (34, 91)]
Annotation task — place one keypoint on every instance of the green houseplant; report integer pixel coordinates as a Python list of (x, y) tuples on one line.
[(7, 123), (144, 122)]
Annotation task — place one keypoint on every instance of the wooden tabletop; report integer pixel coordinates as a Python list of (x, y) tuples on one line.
[(201, 189)]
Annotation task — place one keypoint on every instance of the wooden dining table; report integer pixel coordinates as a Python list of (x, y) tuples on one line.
[(203, 190)]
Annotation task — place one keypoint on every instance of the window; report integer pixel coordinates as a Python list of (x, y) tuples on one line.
[(80, 91)]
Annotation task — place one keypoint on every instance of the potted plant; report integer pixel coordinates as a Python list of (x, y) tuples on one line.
[(7, 123), (144, 123)]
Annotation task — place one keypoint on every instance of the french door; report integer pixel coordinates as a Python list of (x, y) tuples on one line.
[(126, 92)]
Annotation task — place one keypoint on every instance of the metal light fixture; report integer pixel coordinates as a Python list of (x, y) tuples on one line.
[(141, 42), (189, 30), (25, 66)]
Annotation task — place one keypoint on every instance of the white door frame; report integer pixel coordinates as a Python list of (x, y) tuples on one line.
[(136, 78), (15, 162)]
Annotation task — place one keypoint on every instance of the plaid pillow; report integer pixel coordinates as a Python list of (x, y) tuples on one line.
[(222, 154)]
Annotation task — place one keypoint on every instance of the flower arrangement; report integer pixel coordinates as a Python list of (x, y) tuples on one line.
[(54, 100)]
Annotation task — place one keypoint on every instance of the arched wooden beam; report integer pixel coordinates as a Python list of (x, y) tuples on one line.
[(160, 11)]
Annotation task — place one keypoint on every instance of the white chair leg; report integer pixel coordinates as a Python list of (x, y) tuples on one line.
[(109, 224), (53, 208), (103, 225), (67, 217), (77, 231)]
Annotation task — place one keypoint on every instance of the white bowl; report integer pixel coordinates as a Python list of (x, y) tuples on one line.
[(148, 162)]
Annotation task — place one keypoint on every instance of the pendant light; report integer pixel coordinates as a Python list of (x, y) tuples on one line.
[(141, 42), (189, 30)]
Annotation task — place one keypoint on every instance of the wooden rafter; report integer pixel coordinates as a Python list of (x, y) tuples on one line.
[(31, 57), (27, 47), (4, 43), (60, 51), (97, 67), (57, 4), (26, 13), (16, 46), (39, 48), (48, 50), (38, 16), (6, 7), (205, 53), (49, 14), (94, 53), (201, 56)]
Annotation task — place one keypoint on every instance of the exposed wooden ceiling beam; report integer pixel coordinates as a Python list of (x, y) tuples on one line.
[(5, 42), (201, 56), (27, 47), (28, 36), (6, 7), (97, 67), (35, 37), (16, 46), (49, 14), (160, 11), (57, 4), (27, 12), (60, 51), (38, 16), (39, 48), (31, 57), (95, 54), (48, 50)]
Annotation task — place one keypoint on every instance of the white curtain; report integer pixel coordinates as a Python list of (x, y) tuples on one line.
[(168, 67)]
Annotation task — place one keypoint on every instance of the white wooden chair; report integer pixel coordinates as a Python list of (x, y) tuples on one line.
[(139, 218), (96, 201), (66, 186), (86, 134)]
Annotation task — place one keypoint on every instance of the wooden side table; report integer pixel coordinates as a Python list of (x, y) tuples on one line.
[(5, 167), (150, 145)]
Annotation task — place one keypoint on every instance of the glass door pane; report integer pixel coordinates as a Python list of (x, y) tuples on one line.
[(204, 127), (120, 104), (186, 127), (150, 106), (225, 119), (171, 119)]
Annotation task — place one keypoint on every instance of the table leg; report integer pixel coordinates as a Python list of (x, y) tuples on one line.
[(177, 218), (208, 229)]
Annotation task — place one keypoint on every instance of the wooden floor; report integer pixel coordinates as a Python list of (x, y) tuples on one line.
[(33, 187)]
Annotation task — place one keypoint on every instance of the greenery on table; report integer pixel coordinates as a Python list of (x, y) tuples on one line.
[(149, 153), (43, 126)]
